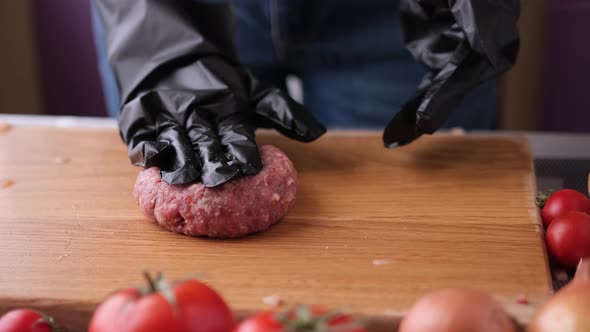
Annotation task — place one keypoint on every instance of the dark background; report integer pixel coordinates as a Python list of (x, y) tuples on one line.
[(48, 64)]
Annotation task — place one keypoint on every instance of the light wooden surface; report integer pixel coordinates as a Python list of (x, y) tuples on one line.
[(446, 211)]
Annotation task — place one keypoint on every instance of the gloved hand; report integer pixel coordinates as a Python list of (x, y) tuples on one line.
[(462, 43), (187, 106)]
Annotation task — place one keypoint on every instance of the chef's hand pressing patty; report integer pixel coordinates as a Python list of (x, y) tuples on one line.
[(187, 106), (204, 129)]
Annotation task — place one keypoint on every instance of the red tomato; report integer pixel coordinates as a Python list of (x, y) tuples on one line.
[(568, 238), (300, 319), (25, 320), (189, 306), (562, 202)]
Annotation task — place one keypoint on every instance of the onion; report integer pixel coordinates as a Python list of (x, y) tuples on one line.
[(457, 310), (569, 309)]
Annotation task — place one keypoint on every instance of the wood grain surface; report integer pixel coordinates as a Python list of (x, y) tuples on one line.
[(444, 211)]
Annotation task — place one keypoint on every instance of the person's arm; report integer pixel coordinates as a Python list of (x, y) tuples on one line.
[(462, 43), (187, 106)]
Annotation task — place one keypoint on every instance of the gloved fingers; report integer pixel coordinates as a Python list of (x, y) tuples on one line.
[(432, 105), (401, 130), (183, 165), (138, 131), (216, 168), (238, 136), (448, 87), (149, 153), (277, 110), (155, 137)]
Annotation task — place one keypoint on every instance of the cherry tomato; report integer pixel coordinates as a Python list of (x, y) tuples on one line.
[(568, 238), (562, 202), (188, 306), (301, 319), (25, 320)]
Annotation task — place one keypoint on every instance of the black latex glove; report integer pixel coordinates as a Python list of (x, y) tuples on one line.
[(187, 106), (462, 43)]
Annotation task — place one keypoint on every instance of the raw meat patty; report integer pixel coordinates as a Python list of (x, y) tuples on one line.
[(237, 208)]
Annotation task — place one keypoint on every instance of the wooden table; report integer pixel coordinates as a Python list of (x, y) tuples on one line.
[(444, 211)]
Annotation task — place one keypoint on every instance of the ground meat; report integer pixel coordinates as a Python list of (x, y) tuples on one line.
[(237, 208)]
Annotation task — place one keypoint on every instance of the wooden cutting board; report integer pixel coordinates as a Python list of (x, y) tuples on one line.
[(444, 211)]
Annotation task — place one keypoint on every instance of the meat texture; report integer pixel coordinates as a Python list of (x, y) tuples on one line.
[(237, 208)]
